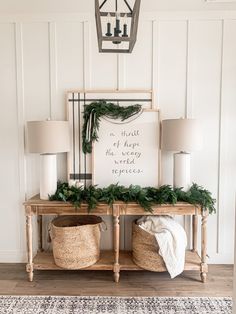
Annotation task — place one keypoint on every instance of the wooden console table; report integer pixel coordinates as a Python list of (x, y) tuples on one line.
[(115, 260)]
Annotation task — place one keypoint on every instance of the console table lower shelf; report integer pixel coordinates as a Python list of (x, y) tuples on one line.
[(116, 259), (45, 261)]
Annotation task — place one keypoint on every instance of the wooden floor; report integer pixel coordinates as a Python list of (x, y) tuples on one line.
[(13, 281)]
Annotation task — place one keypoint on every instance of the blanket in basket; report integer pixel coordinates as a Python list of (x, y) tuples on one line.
[(171, 238)]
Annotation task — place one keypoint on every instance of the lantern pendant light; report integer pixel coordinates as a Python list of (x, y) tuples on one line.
[(116, 30)]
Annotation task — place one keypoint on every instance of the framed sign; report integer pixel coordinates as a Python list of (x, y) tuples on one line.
[(84, 167), (128, 152)]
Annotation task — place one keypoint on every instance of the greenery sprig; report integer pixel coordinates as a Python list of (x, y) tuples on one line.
[(92, 116), (145, 197)]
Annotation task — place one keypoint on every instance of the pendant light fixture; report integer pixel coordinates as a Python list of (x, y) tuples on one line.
[(116, 27)]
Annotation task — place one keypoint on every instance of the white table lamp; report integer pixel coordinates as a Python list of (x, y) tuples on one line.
[(183, 136), (48, 138)]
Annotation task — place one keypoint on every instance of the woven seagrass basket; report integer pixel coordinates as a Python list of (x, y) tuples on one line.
[(145, 250), (76, 241)]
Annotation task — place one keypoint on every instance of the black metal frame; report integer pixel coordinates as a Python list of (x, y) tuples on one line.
[(134, 14)]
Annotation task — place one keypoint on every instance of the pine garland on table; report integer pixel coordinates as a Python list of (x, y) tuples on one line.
[(145, 197), (93, 114)]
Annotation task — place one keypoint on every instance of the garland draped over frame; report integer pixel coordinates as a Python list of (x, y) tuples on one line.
[(145, 197), (92, 116)]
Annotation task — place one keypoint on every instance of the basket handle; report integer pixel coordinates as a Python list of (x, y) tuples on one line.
[(103, 226)]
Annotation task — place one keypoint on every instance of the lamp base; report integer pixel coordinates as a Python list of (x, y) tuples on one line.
[(182, 170), (48, 175)]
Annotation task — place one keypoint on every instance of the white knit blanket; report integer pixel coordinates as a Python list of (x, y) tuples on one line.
[(171, 238)]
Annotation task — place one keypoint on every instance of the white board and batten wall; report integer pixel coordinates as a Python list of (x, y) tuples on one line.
[(187, 58)]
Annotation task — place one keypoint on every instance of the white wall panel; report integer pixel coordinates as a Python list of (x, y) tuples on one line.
[(205, 60), (36, 70), (227, 173), (9, 207), (36, 90), (103, 67), (179, 57), (171, 89), (36, 84), (138, 64), (70, 68)]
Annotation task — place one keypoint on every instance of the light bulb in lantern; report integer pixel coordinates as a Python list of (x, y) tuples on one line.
[(117, 30), (108, 33), (125, 27)]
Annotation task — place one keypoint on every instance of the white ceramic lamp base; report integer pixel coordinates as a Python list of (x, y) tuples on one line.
[(48, 175), (182, 170)]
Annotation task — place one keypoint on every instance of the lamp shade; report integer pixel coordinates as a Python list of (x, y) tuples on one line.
[(48, 137), (181, 135)]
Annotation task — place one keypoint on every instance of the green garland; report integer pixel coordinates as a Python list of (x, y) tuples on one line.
[(145, 197), (92, 115)]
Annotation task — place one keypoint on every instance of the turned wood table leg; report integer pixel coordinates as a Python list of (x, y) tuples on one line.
[(29, 266), (204, 267), (116, 222), (194, 230), (40, 233)]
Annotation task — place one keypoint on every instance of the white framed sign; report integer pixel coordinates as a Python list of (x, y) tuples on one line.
[(128, 152), (79, 164)]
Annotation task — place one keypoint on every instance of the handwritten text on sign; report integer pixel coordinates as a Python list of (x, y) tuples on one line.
[(127, 153)]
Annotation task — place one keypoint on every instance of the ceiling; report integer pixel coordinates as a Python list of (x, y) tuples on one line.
[(76, 6)]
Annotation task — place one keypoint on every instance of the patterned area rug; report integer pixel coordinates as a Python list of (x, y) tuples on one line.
[(113, 305)]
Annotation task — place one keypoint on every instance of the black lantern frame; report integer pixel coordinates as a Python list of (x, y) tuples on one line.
[(115, 37)]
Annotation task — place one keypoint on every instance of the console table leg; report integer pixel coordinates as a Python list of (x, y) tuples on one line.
[(116, 273), (116, 221), (203, 277), (204, 267), (29, 266)]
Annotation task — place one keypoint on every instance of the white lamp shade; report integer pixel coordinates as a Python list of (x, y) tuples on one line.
[(181, 135), (48, 137)]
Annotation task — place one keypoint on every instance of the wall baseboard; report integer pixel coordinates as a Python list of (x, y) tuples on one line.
[(13, 256)]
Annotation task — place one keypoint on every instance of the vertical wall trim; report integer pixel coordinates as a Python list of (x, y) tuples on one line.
[(154, 74), (86, 55), (117, 71), (52, 68), (156, 35), (187, 68), (85, 161), (121, 77), (219, 141), (123, 71), (187, 114), (21, 128), (189, 82)]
